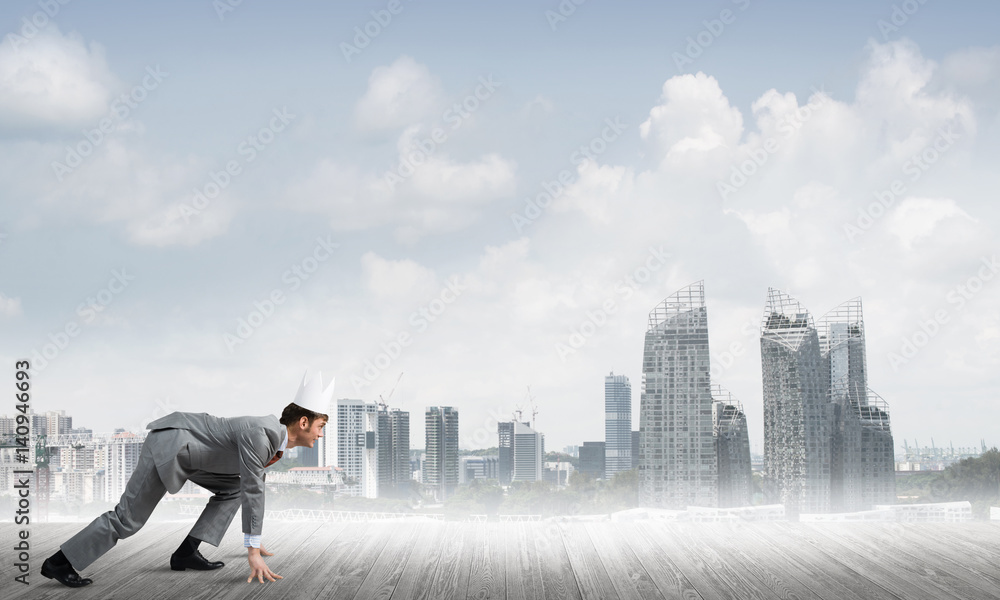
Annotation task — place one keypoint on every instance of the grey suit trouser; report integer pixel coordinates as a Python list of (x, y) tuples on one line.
[(142, 493)]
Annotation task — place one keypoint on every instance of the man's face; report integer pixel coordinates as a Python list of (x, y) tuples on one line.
[(315, 431)]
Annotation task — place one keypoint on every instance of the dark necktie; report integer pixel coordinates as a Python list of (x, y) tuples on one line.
[(275, 459)]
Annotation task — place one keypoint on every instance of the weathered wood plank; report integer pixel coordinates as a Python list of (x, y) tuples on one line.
[(451, 577), (284, 540), (520, 563), (981, 564), (547, 560), (796, 549), (423, 561), (975, 532), (804, 579), (558, 580), (487, 575), (629, 577), (346, 567), (744, 555), (388, 567), (591, 576), (870, 567), (949, 579), (295, 558), (662, 569), (709, 573), (147, 551), (960, 537)]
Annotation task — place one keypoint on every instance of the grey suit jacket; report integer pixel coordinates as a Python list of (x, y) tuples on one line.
[(241, 446)]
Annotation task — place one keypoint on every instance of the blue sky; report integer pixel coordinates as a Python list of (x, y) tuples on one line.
[(681, 130)]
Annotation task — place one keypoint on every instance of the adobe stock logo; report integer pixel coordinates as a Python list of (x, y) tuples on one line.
[(365, 34), (121, 108), (597, 318), (420, 320), (293, 277), (87, 312), (928, 329)]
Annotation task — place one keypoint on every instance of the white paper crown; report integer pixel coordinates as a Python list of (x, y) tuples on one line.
[(312, 395)]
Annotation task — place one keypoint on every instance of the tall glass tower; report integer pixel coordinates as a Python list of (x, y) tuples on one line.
[(393, 443), (678, 466), (441, 466), (617, 425)]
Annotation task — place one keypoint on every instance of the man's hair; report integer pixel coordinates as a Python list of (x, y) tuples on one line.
[(293, 412)]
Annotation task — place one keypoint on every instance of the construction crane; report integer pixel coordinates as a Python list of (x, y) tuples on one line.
[(43, 484), (384, 404), (534, 409)]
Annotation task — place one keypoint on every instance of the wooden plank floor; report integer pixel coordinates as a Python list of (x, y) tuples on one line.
[(544, 560)]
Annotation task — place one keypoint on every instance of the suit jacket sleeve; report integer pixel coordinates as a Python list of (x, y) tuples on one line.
[(253, 446)]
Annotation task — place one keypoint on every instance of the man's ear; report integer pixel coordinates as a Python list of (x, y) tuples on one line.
[(304, 422)]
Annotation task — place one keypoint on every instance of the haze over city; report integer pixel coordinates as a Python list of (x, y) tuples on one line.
[(486, 198)]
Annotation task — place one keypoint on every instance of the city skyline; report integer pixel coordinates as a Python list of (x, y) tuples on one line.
[(828, 442), (194, 213)]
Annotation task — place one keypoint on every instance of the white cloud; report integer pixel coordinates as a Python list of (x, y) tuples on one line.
[(439, 194), (396, 279), (916, 219), (596, 189), (694, 119), (893, 94), (53, 80), (174, 226), (398, 95), (972, 67), (9, 307), (785, 229), (120, 183)]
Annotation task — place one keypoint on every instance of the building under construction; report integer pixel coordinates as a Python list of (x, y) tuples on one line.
[(827, 442), (732, 446), (678, 464)]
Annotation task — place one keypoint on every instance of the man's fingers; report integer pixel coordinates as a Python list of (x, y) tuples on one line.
[(260, 574)]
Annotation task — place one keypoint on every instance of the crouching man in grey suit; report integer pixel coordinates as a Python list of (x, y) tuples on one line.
[(226, 456)]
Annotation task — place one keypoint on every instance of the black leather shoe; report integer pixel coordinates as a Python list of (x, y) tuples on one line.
[(65, 574), (194, 561)]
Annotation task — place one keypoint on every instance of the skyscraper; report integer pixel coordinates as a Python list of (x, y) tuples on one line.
[(678, 466), (593, 459), (505, 451), (863, 468), (393, 441), (440, 470), (121, 455), (352, 426), (57, 423), (522, 452), (798, 417), (732, 442), (827, 440), (617, 425)]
